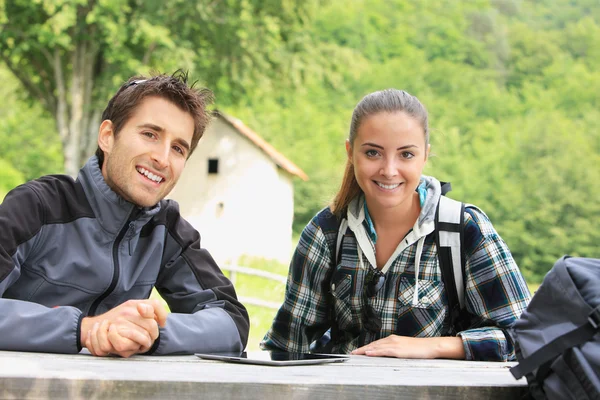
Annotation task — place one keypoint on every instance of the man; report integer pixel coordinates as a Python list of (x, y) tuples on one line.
[(79, 258)]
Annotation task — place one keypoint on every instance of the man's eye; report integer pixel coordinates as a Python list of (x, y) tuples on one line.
[(148, 134), (178, 149)]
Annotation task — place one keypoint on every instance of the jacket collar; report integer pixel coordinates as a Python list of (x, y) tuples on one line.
[(111, 210), (422, 227)]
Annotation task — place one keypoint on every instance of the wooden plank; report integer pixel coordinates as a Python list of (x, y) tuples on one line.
[(33, 375)]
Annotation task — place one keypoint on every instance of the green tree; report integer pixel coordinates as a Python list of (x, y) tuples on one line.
[(69, 55), (28, 139), (512, 98), (9, 178)]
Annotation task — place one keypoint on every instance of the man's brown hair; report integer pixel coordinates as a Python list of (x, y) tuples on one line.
[(173, 88)]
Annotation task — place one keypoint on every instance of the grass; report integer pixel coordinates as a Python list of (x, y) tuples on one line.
[(260, 288), (533, 287)]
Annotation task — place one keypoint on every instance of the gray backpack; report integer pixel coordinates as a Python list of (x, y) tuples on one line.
[(557, 340)]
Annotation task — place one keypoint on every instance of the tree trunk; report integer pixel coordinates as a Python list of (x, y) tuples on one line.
[(61, 114), (91, 134), (71, 150), (75, 116)]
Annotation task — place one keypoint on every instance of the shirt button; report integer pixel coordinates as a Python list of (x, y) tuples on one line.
[(333, 286), (425, 301)]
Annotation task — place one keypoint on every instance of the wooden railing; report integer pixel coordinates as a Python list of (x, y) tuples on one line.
[(236, 269)]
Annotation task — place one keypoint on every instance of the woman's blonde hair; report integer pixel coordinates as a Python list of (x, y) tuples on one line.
[(383, 101)]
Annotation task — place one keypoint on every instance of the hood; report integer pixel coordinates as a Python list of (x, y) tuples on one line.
[(423, 226)]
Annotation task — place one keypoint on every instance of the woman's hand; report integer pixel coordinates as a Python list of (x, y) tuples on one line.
[(411, 347)]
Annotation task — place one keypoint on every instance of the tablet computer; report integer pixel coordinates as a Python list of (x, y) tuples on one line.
[(275, 358)]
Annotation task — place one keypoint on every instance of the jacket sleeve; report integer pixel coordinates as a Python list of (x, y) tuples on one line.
[(303, 316), (206, 315), (27, 326), (496, 291)]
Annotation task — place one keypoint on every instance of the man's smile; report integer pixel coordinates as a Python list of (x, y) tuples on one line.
[(150, 175)]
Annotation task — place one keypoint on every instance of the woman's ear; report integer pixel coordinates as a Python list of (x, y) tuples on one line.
[(349, 150), (106, 137), (427, 152)]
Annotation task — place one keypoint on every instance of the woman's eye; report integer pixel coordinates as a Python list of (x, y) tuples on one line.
[(372, 153), (407, 154)]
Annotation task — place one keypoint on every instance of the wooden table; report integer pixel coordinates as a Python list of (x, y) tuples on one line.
[(43, 375)]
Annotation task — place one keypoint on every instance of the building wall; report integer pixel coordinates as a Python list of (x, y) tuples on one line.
[(246, 208)]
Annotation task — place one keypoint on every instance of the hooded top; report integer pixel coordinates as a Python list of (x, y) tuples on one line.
[(412, 301), (73, 248)]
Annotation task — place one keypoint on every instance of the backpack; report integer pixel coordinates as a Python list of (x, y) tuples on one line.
[(556, 339), (449, 235)]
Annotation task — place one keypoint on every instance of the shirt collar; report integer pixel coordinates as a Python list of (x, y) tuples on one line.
[(368, 222)]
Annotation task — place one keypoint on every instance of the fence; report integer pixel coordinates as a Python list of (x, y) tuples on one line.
[(236, 269)]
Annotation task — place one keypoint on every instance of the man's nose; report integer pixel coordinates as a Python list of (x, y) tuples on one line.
[(160, 155)]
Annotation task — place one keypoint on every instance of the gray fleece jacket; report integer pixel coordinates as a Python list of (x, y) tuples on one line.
[(74, 248)]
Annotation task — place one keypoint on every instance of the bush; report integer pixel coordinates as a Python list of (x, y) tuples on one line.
[(9, 178)]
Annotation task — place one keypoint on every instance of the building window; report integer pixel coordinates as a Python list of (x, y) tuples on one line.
[(213, 165)]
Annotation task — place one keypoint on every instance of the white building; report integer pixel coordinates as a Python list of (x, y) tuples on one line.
[(237, 191)]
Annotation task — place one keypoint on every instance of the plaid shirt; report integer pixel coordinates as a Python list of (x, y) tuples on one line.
[(496, 293)]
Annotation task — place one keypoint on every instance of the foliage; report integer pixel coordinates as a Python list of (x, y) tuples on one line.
[(9, 178), (28, 139), (71, 55), (512, 92), (511, 87)]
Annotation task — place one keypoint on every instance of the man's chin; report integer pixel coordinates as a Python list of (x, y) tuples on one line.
[(144, 202)]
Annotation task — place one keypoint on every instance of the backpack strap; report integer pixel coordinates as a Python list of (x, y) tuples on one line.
[(332, 229), (557, 346), (449, 239)]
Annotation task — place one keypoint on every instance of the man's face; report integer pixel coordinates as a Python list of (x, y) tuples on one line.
[(146, 158)]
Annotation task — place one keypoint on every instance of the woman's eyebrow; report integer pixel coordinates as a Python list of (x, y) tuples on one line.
[(408, 146)]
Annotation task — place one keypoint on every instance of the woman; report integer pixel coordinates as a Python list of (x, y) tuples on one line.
[(389, 207)]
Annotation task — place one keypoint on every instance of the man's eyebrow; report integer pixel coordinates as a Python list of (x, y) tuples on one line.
[(183, 143), (152, 126), (408, 146), (157, 128)]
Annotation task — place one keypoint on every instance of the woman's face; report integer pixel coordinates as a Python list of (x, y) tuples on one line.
[(388, 154)]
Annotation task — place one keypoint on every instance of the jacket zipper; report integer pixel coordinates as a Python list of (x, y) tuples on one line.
[(115, 278)]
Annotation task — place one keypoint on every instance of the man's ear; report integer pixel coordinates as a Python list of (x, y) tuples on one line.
[(106, 137), (349, 150)]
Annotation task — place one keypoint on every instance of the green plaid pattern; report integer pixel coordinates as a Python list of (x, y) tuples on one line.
[(496, 293)]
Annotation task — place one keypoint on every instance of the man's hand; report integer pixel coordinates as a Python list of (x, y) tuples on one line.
[(411, 347), (127, 329)]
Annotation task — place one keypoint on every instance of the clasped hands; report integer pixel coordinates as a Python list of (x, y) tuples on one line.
[(128, 329)]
